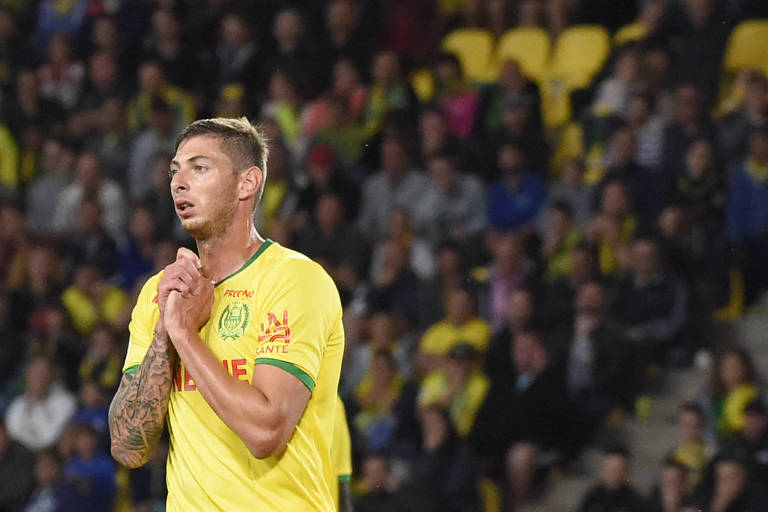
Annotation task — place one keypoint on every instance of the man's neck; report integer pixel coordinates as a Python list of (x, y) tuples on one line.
[(225, 254)]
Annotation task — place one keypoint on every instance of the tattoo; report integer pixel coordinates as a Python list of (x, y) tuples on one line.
[(137, 413)]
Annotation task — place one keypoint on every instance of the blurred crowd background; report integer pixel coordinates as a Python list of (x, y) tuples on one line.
[(533, 210)]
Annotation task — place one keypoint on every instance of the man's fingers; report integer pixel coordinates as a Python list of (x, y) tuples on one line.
[(184, 254)]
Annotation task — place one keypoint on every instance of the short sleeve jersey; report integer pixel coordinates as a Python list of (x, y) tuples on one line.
[(280, 309)]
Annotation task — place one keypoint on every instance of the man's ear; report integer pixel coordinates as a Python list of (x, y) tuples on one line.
[(250, 182)]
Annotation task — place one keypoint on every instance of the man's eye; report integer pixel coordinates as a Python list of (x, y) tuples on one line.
[(201, 168), (172, 172)]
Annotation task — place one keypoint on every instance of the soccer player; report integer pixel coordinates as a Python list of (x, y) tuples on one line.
[(239, 349)]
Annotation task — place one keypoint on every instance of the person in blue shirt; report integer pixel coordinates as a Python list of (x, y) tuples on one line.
[(517, 197)]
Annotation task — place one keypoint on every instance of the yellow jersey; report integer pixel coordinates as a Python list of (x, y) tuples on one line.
[(282, 309), (341, 452)]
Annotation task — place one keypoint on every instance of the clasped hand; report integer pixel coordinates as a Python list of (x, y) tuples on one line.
[(185, 295)]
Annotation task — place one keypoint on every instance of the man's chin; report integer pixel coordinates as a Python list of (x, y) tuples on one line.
[(194, 228)]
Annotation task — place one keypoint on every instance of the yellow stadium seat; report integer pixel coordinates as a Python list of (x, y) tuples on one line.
[(579, 54), (556, 108), (529, 46), (630, 33), (474, 49), (747, 46), (423, 83)]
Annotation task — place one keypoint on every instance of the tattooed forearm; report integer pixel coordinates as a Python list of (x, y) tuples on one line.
[(137, 413)]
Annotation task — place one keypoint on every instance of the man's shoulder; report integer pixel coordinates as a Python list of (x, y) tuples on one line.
[(282, 264)]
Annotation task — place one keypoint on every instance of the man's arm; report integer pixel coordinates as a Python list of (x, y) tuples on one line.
[(265, 414), (137, 413)]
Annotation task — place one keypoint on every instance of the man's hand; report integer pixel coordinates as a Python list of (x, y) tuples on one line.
[(188, 313), (183, 275)]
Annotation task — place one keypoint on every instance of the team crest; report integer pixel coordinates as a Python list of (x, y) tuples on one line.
[(233, 320)]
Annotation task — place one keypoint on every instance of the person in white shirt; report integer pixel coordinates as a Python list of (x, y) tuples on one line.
[(38, 417)]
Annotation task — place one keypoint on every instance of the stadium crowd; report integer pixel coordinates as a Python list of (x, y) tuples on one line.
[(520, 254)]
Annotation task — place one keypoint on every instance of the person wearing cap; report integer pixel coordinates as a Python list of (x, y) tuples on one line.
[(460, 386)]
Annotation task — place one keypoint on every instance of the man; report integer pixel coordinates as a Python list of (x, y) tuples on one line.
[(614, 491), (239, 349)]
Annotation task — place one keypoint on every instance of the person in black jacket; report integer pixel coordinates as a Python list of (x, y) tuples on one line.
[(446, 465), (613, 493)]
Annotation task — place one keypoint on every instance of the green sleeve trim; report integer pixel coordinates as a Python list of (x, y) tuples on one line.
[(131, 369), (343, 479), (292, 369)]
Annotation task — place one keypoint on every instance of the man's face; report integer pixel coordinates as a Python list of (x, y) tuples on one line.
[(614, 471), (204, 187)]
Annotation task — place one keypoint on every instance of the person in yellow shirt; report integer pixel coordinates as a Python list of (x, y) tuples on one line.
[(461, 388), (461, 324), (692, 452), (238, 349)]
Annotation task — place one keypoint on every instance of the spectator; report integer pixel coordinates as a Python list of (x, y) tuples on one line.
[(447, 465), (699, 184), (52, 490), (112, 142), (692, 451), (559, 239), (455, 96), (377, 393), (15, 243), (90, 181), (420, 258), (334, 243), (649, 130), (153, 83), (458, 386), (449, 272), (285, 105), (380, 490), (518, 318), (736, 127), (237, 55), (515, 200), (344, 36), (508, 271), (746, 211), (460, 325), (612, 230), (343, 134), (16, 472), (731, 489), (389, 92), (157, 199), (396, 185), (650, 307), (571, 189), (435, 139), (324, 177), (527, 422), (397, 288), (614, 491), (37, 418), (92, 470), (61, 77), (52, 19), (102, 361), (90, 300), (670, 491), (157, 137), (754, 440), (512, 88), (44, 191), (51, 334), (594, 359), (137, 252), (451, 206), (166, 45), (292, 51), (347, 88), (733, 386), (90, 243), (687, 126), (382, 335), (93, 409), (614, 92), (31, 110)]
